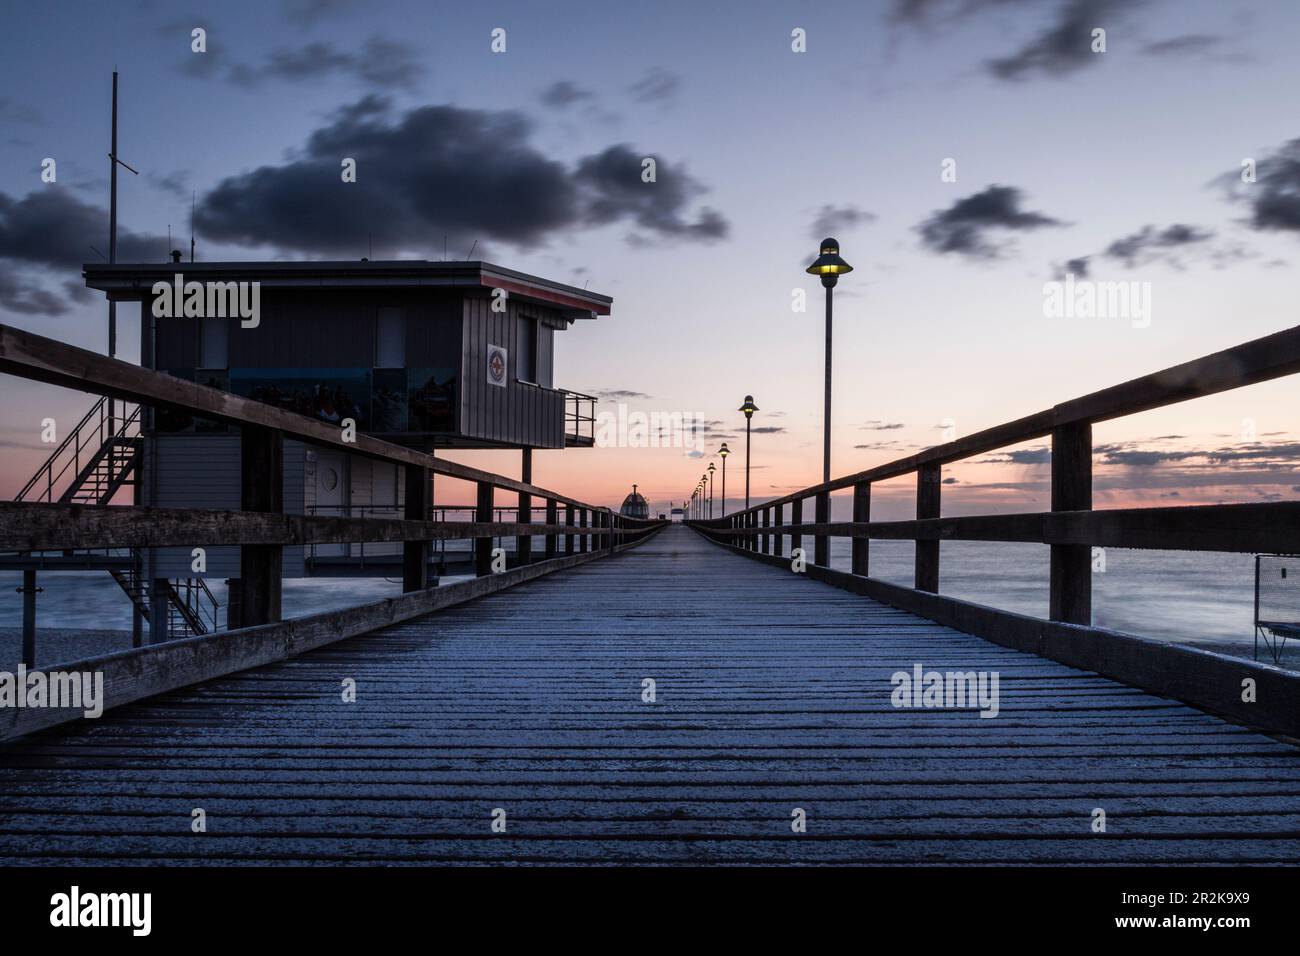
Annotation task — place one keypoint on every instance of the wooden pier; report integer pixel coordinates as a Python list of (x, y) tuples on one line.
[(772, 693)]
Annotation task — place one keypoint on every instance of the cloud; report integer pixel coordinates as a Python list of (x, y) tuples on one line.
[(11, 112), (442, 170), (562, 94), (878, 426), (310, 12), (1066, 45), (1151, 243), (176, 184), (832, 220), (964, 226), (920, 12), (380, 63), (1274, 198), (1185, 45), (657, 86), (769, 429), (620, 394), (612, 180), (1078, 267), (51, 229)]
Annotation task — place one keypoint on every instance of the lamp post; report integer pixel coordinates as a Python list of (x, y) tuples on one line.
[(749, 408), (723, 452), (712, 468), (830, 267)]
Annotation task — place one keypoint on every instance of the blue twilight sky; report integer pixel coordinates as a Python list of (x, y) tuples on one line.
[(1123, 164)]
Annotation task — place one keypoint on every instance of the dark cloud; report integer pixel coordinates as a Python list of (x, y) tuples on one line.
[(657, 86), (1020, 456), (831, 220), (562, 94), (1150, 243), (310, 12), (769, 429), (441, 170), (176, 184), (964, 226), (12, 112), (1274, 198), (1078, 267), (612, 181), (620, 394), (920, 12), (380, 63), (879, 426), (52, 231), (1066, 45), (1188, 44)]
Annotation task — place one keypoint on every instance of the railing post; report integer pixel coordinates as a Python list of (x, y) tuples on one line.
[(796, 517), (861, 514), (777, 519), (821, 543), (483, 514), (584, 543), (1071, 576), (261, 489), (552, 518), (767, 522), (523, 542), (568, 521), (928, 487), (415, 554)]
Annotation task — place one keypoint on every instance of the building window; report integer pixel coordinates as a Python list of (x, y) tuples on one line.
[(390, 339), (526, 367), (212, 343)]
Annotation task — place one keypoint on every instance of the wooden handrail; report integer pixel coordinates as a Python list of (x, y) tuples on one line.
[(1071, 527)]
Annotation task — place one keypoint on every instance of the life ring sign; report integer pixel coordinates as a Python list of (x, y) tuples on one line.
[(496, 365)]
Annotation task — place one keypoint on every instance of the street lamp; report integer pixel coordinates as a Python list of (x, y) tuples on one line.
[(723, 452), (712, 468), (830, 267), (749, 408)]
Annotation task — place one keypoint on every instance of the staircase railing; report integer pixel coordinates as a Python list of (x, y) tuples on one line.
[(75, 457)]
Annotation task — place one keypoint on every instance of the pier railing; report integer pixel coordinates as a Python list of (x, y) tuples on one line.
[(572, 531), (1071, 528)]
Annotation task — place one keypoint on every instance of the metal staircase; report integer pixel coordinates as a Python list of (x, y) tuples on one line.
[(97, 459)]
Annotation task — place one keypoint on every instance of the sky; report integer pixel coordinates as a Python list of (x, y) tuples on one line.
[(965, 153)]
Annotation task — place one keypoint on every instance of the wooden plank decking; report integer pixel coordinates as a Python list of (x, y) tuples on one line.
[(773, 693)]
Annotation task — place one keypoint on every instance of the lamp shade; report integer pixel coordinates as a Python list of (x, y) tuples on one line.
[(724, 451), (749, 408), (829, 263)]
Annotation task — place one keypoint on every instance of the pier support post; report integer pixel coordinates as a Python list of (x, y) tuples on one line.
[(928, 488), (261, 489), (861, 514), (524, 543), (1071, 577), (796, 517), (552, 518), (822, 543), (415, 554), (29, 616), (483, 515)]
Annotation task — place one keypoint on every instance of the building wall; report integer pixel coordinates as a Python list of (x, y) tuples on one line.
[(202, 471), (520, 413)]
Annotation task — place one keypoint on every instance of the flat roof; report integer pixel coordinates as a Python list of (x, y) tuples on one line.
[(133, 281)]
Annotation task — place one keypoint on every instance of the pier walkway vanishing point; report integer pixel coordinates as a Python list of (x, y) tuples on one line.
[(772, 695)]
